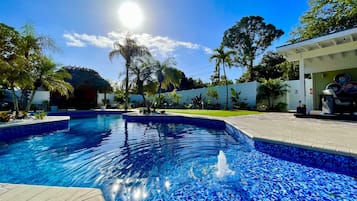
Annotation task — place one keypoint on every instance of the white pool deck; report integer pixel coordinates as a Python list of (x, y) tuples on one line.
[(21, 122), (15, 192), (331, 136)]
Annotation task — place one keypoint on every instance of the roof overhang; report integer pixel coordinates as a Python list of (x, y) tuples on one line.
[(324, 46)]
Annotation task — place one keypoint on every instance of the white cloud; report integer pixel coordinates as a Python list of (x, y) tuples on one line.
[(161, 45), (73, 41)]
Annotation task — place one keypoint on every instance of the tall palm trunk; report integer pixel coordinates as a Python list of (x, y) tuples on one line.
[(127, 86), (14, 98), (226, 83), (29, 103)]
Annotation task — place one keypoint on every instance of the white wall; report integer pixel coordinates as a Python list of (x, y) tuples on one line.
[(41, 96), (293, 95), (248, 94), (110, 98)]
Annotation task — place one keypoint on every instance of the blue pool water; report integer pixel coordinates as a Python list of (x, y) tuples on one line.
[(138, 161)]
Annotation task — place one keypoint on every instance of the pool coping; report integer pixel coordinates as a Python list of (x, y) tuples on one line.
[(251, 135), (14, 192), (24, 122)]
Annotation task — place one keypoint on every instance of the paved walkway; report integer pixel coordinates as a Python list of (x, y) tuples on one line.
[(318, 134), (14, 192)]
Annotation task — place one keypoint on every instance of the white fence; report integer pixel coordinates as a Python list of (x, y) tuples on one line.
[(248, 93)]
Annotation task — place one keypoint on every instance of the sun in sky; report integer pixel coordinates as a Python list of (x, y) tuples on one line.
[(130, 15)]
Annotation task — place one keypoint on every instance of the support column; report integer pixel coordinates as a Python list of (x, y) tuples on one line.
[(302, 95)]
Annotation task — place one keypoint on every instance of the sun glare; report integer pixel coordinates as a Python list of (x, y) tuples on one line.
[(130, 15)]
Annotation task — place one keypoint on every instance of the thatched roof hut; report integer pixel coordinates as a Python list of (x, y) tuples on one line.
[(86, 83)]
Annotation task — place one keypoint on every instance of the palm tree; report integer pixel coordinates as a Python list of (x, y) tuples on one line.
[(223, 58), (141, 70), (271, 89), (167, 74), (46, 74), (128, 50)]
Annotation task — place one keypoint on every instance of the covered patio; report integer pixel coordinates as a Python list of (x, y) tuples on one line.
[(323, 58)]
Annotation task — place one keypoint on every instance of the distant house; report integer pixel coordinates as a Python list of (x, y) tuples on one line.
[(323, 57), (86, 83)]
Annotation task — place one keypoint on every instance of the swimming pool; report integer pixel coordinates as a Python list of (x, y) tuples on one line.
[(163, 161)]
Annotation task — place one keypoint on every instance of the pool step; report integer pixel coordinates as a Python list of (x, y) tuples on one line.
[(15, 192)]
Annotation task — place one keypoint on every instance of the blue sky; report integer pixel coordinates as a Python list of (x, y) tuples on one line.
[(188, 30)]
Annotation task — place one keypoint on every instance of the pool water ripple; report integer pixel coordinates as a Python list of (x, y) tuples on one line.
[(137, 161)]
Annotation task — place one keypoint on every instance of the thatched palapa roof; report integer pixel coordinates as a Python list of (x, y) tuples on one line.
[(86, 77)]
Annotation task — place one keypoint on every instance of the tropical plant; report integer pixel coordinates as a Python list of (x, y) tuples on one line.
[(159, 101), (174, 97), (46, 74), (270, 90), (128, 50), (325, 16), (4, 117), (235, 98), (198, 101), (213, 93), (40, 115), (167, 75), (141, 71), (223, 58), (250, 37)]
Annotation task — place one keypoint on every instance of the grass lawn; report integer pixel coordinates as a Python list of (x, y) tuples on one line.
[(217, 113)]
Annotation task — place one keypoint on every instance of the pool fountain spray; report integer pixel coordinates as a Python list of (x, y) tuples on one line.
[(222, 166)]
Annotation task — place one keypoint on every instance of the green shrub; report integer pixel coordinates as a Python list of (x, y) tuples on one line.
[(281, 107), (4, 117), (40, 115)]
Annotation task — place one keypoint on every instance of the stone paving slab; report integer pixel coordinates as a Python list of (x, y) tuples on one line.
[(17, 192)]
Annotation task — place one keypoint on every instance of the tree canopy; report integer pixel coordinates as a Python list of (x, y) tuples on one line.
[(250, 37), (324, 17)]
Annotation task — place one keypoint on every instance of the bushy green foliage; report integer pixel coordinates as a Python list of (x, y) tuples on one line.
[(250, 37), (40, 115), (325, 16), (235, 98), (174, 97), (213, 93), (270, 90), (4, 117), (198, 101)]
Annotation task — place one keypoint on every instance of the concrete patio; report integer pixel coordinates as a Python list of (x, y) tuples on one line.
[(333, 136)]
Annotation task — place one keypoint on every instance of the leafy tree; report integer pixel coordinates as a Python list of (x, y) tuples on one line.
[(13, 64), (290, 69), (250, 37), (167, 74), (223, 58), (190, 83), (273, 66), (129, 49), (271, 89), (269, 67), (46, 74), (325, 16)]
